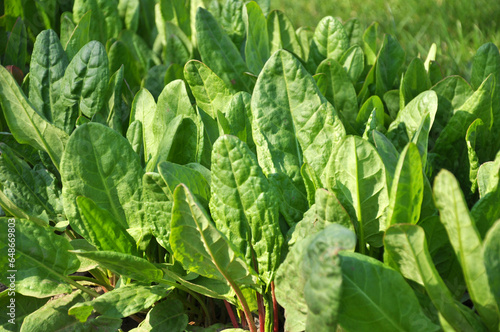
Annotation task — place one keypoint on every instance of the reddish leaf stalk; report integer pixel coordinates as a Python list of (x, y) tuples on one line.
[(262, 312), (275, 309), (234, 321)]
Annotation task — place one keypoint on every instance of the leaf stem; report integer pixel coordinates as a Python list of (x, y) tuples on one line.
[(82, 288), (244, 304), (275, 309), (262, 310), (234, 321), (92, 280)]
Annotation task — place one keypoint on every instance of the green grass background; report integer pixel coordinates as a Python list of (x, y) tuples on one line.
[(458, 27)]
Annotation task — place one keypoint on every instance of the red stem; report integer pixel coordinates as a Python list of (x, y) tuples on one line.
[(231, 314), (262, 312), (244, 323), (275, 309)]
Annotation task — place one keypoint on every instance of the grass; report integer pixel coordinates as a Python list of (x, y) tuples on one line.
[(458, 27)]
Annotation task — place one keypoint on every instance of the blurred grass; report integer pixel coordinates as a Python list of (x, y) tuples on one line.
[(458, 27)]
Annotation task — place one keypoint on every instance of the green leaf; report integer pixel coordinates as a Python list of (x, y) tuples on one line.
[(54, 317), (200, 247), (174, 174), (220, 54), (177, 12), (83, 86), (100, 164), (16, 48), (121, 302), (357, 177), (354, 31), (389, 60), (409, 119), (466, 242), (79, 35), (167, 315), (238, 114), (281, 34), (330, 39), (245, 206), (407, 247), (98, 28), (46, 71), (372, 103), (388, 302), (486, 61), (257, 42), (125, 265), (290, 127), (27, 126), (407, 189), (491, 254), (102, 230), (144, 110), (120, 55), (414, 82), (340, 91), (24, 306), (488, 176), (476, 139), (42, 261), (323, 275), (486, 211), (353, 62), (26, 192), (129, 11), (231, 20), (210, 91)]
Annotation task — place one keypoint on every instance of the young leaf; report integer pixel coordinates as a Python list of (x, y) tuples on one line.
[(245, 206), (79, 35), (257, 42), (16, 48), (144, 110), (414, 82), (466, 242), (330, 39), (220, 54), (42, 260), (357, 177), (174, 174), (407, 188), (281, 34), (407, 247), (27, 126), (387, 300), (389, 60), (353, 62), (167, 315), (46, 71)]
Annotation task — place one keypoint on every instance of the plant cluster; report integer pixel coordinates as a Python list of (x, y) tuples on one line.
[(211, 168)]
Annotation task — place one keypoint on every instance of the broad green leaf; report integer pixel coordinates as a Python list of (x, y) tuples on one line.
[(219, 53), (407, 247), (139, 50), (330, 39), (414, 82), (23, 306), (173, 100), (98, 28), (485, 62), (388, 153), (134, 136), (354, 31), (231, 20), (83, 86), (27, 126), (54, 317), (129, 11), (409, 119), (210, 91), (281, 34), (245, 205), (388, 302), (357, 177), (476, 138), (100, 164), (125, 265), (109, 9), (174, 174), (120, 55), (154, 81), (79, 35), (16, 48), (46, 71), (323, 275), (353, 62), (257, 42), (389, 60), (370, 43), (120, 302), (407, 189), (42, 261), (177, 12), (340, 91), (200, 247), (326, 210), (32, 191), (289, 128), (102, 230), (23, 151), (144, 110), (491, 254), (466, 242), (167, 315), (486, 211), (305, 36)]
